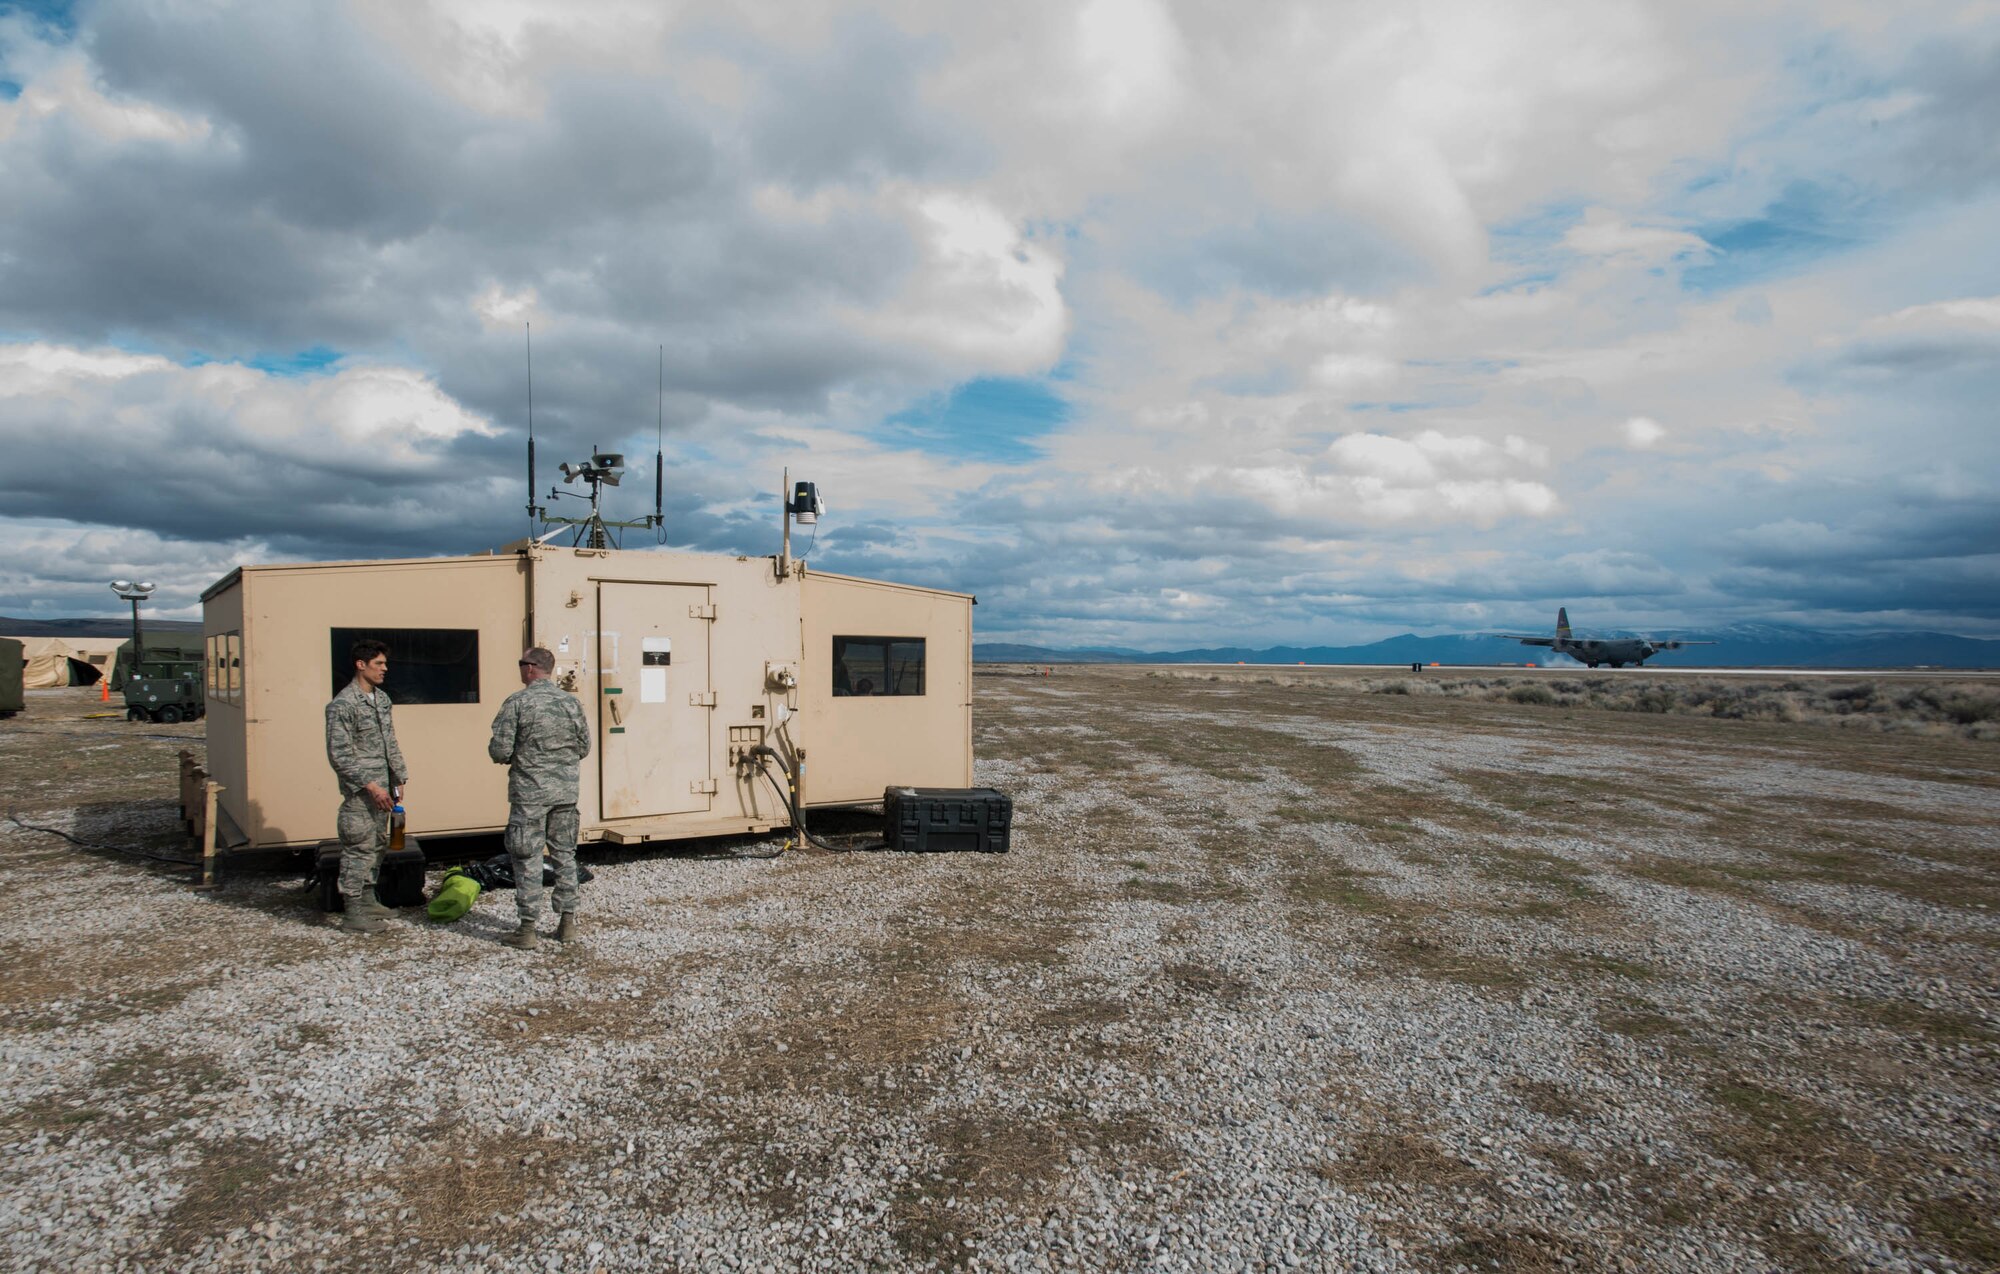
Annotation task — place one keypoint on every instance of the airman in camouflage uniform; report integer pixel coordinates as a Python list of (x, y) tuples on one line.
[(361, 747), (541, 736)]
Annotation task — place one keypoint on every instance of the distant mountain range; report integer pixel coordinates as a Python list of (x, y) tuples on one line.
[(1739, 646), (11, 627)]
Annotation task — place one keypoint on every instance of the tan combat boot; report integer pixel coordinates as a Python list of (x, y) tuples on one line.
[(524, 936), (566, 927), (357, 918)]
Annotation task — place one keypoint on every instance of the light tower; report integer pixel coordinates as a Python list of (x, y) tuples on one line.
[(134, 593)]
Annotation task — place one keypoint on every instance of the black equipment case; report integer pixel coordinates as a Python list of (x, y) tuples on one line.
[(399, 883), (944, 819)]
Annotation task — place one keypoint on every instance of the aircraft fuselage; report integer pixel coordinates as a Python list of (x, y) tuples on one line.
[(1617, 652)]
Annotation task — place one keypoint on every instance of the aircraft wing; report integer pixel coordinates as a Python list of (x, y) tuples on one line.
[(1528, 641), (1677, 644)]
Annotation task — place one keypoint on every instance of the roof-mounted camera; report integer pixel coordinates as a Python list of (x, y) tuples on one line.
[(606, 467)]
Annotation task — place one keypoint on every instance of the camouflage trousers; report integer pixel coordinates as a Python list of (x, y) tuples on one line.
[(364, 839), (531, 829)]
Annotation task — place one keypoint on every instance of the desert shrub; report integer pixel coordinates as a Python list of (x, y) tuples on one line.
[(1393, 688), (1654, 699), (1859, 693), (1566, 686), (1968, 708), (1921, 700), (1532, 694)]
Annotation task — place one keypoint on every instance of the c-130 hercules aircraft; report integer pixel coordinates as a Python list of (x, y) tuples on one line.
[(1616, 651)]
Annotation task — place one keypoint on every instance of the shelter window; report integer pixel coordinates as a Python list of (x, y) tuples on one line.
[(426, 665), (870, 666), (225, 656)]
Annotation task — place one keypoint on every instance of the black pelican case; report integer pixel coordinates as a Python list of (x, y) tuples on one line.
[(399, 883), (939, 820)]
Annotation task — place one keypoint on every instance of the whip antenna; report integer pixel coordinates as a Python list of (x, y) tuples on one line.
[(660, 448), (531, 428)]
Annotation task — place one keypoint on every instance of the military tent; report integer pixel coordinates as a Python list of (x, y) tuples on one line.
[(66, 661)]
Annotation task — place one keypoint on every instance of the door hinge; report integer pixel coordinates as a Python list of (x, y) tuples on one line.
[(702, 787), (702, 612), (702, 699)]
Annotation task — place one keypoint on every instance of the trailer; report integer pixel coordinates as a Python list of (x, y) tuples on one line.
[(718, 689), (12, 662)]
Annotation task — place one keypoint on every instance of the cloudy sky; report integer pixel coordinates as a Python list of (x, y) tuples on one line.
[(1152, 322)]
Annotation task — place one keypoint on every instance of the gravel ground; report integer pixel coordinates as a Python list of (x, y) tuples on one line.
[(1277, 976)]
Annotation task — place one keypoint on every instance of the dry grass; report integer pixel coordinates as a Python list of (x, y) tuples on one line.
[(234, 1185), (1400, 1158), (1524, 1250), (476, 1189)]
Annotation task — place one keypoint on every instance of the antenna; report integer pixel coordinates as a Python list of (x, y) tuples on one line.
[(660, 452), (603, 469), (531, 429)]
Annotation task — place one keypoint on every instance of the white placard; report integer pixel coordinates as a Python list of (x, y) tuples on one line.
[(656, 654)]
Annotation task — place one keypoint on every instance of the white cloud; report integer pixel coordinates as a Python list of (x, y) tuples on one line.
[(499, 308), (1971, 312), (1643, 433), (1129, 53), (984, 297), (1603, 234), (391, 412), (65, 91), (64, 569)]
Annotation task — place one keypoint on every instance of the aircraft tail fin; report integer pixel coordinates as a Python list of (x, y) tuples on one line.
[(1562, 622)]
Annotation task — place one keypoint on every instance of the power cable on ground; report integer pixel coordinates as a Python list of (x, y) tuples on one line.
[(131, 850)]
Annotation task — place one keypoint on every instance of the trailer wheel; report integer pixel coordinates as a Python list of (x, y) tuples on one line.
[(137, 713), (169, 715)]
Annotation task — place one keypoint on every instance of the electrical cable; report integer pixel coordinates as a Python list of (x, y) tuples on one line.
[(791, 799), (144, 738), (15, 819)]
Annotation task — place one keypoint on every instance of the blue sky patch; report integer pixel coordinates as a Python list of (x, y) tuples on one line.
[(56, 15), (994, 418), (1805, 225), (306, 362)]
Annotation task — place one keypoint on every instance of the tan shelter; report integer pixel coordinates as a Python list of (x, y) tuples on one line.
[(67, 661), (684, 663)]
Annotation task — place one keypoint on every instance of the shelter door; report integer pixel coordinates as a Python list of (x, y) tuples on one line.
[(653, 717)]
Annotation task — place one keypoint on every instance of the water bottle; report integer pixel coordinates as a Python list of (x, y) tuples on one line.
[(396, 828)]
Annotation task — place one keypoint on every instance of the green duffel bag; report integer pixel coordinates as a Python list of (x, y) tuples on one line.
[(454, 897)]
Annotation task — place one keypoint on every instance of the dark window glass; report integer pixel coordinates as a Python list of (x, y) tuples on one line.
[(426, 665), (868, 666)]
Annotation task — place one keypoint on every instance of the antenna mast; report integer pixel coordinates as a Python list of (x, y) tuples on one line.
[(533, 508), (660, 453)]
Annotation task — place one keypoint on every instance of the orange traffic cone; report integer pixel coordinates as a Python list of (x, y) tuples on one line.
[(104, 690)]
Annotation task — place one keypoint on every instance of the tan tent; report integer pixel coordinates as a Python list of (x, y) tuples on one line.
[(67, 661)]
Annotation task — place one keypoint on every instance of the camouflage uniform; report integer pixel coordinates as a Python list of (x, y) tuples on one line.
[(540, 734), (361, 747)]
